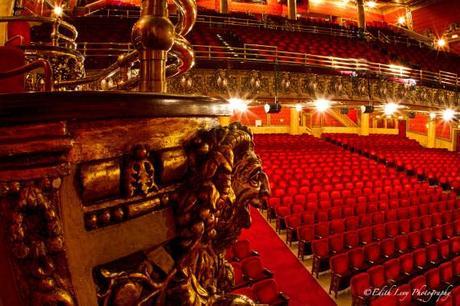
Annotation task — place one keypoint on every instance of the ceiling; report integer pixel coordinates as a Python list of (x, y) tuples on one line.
[(412, 3)]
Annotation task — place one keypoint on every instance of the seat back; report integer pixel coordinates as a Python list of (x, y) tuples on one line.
[(15, 60), (18, 33)]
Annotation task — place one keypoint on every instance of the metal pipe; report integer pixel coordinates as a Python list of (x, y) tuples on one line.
[(153, 36)]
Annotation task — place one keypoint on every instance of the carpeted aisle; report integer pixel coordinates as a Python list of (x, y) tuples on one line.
[(290, 274)]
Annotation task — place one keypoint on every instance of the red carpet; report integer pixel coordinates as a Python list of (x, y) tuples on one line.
[(290, 274)]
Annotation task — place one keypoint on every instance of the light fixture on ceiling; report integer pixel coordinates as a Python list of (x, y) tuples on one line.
[(390, 108), (322, 105), (448, 114), (367, 109), (298, 107), (432, 115), (237, 104), (371, 4), (272, 108), (411, 115)]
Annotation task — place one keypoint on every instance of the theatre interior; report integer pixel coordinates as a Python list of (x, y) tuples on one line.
[(229, 152)]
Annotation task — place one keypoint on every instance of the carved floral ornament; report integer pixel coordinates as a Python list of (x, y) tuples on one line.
[(211, 208), (37, 242)]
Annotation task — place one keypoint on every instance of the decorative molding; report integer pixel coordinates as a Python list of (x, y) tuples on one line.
[(305, 86), (33, 163)]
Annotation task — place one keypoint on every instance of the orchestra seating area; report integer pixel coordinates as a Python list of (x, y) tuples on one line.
[(438, 166), (371, 223)]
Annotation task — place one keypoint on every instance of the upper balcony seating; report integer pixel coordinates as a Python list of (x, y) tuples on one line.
[(348, 46)]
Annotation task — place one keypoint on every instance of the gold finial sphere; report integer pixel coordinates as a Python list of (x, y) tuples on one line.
[(153, 32)]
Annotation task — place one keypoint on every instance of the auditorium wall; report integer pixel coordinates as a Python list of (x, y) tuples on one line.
[(437, 16), (418, 124), (392, 16)]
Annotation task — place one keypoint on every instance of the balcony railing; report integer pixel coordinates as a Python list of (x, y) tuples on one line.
[(272, 55)]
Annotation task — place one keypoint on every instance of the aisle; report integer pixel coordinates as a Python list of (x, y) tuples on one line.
[(290, 274)]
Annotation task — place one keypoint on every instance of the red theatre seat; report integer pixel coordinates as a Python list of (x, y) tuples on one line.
[(16, 59), (267, 292)]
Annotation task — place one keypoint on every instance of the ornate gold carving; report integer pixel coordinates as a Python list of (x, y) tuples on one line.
[(211, 208), (225, 178), (311, 86), (139, 177), (100, 180), (37, 241)]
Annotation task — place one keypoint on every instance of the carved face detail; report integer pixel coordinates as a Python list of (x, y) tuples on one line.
[(250, 187)]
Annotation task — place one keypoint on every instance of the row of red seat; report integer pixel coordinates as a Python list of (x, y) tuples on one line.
[(366, 214), (418, 277), (405, 223), (436, 165), (451, 299), (351, 207), (324, 248), (251, 277), (398, 264)]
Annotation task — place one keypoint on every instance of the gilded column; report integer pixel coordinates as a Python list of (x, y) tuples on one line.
[(223, 6), (292, 9), (294, 121), (431, 141), (361, 15), (364, 131)]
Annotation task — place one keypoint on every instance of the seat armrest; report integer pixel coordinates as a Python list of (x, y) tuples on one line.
[(268, 272), (15, 37)]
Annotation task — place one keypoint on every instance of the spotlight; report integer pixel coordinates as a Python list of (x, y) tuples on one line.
[(432, 115), (367, 109), (237, 104), (344, 110), (298, 107), (402, 20), (272, 108), (441, 43), (448, 114), (58, 11), (390, 108), (322, 105), (371, 4), (411, 115)]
